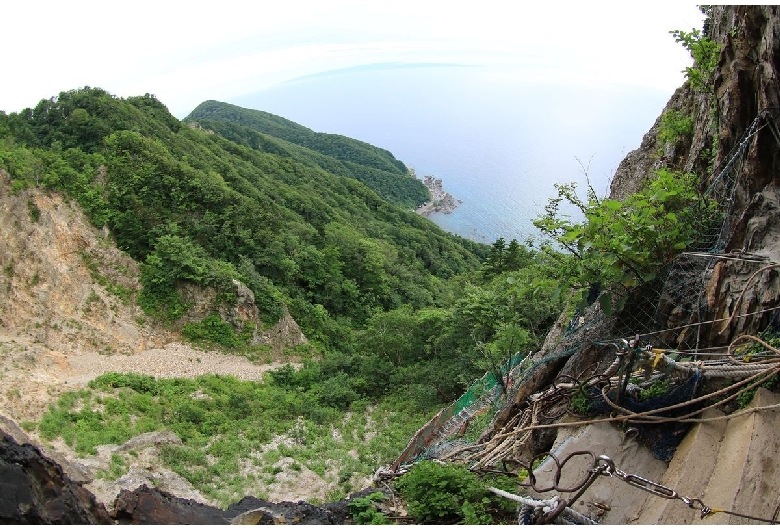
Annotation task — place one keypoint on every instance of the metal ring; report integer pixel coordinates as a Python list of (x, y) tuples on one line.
[(611, 468)]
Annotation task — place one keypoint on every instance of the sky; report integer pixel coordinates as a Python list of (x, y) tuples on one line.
[(186, 53)]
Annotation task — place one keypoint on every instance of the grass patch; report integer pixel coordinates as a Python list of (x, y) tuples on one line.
[(226, 432)]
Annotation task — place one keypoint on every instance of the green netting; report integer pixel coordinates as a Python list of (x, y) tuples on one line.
[(488, 382)]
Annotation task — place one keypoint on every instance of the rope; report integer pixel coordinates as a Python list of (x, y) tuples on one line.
[(754, 518), (648, 417), (516, 433), (546, 506)]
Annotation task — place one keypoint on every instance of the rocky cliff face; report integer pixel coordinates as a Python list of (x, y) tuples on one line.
[(734, 138)]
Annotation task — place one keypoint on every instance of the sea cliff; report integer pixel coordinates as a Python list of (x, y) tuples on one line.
[(441, 201)]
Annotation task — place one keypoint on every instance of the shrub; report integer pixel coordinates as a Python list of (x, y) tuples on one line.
[(705, 53), (215, 330), (675, 125), (364, 509), (450, 493), (627, 242)]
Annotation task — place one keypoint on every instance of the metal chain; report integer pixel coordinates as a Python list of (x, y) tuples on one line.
[(608, 468), (603, 465)]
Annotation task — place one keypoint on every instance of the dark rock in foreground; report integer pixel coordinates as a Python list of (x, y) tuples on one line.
[(147, 505), (34, 489)]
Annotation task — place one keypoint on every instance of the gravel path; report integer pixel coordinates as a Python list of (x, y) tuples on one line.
[(33, 376), (174, 360)]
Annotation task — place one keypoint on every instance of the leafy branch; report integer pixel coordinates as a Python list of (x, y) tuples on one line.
[(705, 53), (624, 242)]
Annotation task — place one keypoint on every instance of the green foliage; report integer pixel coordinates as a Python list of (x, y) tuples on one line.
[(476, 426), (705, 53), (450, 493), (178, 259), (222, 420), (400, 189), (675, 125), (117, 467), (772, 337), (213, 329), (659, 387), (364, 510), (580, 401), (626, 242), (744, 398), (33, 211), (292, 223), (398, 311), (504, 258), (334, 145)]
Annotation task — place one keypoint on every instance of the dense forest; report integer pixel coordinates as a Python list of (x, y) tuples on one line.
[(376, 168)]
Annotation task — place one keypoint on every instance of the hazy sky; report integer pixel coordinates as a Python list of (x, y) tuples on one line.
[(185, 53)]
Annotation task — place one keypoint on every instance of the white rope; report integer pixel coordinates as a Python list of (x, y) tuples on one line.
[(550, 504), (546, 505)]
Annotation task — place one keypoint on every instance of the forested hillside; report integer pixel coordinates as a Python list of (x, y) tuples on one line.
[(296, 233), (376, 168), (384, 295), (400, 317)]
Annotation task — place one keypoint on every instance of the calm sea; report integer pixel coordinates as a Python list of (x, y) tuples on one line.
[(498, 143)]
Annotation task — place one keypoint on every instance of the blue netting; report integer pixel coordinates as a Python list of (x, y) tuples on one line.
[(663, 438)]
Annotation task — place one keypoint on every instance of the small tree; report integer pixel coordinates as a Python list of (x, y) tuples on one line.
[(625, 242), (705, 53)]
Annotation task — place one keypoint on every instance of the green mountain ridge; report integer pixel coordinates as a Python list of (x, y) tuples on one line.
[(376, 168), (335, 145)]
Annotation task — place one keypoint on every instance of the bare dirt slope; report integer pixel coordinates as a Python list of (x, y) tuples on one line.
[(67, 313)]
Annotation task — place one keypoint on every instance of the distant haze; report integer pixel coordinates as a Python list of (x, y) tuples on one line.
[(498, 142), (186, 53)]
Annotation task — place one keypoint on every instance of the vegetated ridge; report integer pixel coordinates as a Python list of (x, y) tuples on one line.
[(376, 168)]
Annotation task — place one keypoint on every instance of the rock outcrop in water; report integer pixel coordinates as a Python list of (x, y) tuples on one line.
[(441, 201)]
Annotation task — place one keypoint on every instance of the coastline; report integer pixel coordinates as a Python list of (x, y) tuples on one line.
[(441, 201)]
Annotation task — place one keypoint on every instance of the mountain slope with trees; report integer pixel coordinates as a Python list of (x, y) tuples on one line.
[(400, 316), (376, 168)]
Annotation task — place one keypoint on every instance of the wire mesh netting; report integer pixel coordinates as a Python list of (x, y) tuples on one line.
[(672, 309)]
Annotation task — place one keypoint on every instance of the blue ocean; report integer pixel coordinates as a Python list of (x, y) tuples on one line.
[(497, 142)]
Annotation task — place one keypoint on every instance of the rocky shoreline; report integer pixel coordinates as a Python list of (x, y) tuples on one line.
[(441, 201)]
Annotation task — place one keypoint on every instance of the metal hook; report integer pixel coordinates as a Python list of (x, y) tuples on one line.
[(609, 463)]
